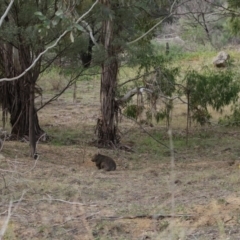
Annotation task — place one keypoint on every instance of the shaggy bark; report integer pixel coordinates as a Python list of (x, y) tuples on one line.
[(18, 97), (108, 131), (107, 125)]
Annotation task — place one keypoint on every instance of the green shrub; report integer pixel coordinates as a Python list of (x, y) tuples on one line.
[(210, 88)]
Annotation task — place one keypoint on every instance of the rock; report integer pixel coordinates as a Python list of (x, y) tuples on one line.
[(221, 59)]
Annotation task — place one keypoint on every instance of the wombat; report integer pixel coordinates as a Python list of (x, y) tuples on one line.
[(104, 162)]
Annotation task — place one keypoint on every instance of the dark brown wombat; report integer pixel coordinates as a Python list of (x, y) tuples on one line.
[(104, 162)]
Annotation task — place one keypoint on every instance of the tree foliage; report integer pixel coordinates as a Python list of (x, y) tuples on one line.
[(234, 16)]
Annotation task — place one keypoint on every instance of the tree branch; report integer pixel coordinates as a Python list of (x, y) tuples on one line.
[(136, 78), (132, 92), (6, 12), (146, 33), (48, 48), (90, 32)]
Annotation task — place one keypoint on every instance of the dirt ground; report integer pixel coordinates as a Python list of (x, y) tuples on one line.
[(62, 195)]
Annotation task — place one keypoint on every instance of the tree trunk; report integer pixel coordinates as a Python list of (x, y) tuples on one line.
[(18, 104), (108, 103), (107, 126), (75, 92), (18, 96)]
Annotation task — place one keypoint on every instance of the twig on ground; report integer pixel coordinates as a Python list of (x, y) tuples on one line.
[(5, 224), (64, 201), (58, 200), (1, 145), (3, 141), (156, 216), (72, 219), (35, 163), (5, 185), (3, 213), (15, 171)]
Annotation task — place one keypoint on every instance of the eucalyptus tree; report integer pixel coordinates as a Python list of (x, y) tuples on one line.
[(126, 31), (29, 28), (20, 42)]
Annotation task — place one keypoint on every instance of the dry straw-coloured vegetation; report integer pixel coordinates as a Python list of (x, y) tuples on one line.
[(62, 195)]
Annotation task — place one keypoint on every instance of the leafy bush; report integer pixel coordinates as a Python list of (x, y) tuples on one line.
[(210, 88)]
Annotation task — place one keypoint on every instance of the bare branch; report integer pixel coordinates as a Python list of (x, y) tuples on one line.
[(90, 32), (10, 211), (132, 92), (6, 12), (48, 48), (68, 202), (5, 224), (136, 90), (171, 13), (49, 199)]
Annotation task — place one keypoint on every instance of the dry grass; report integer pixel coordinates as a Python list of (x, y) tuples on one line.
[(68, 198)]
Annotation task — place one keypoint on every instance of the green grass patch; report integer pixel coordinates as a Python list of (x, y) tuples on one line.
[(67, 136)]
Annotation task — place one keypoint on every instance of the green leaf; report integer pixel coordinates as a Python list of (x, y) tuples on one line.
[(38, 14), (69, 28), (59, 12), (79, 27)]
